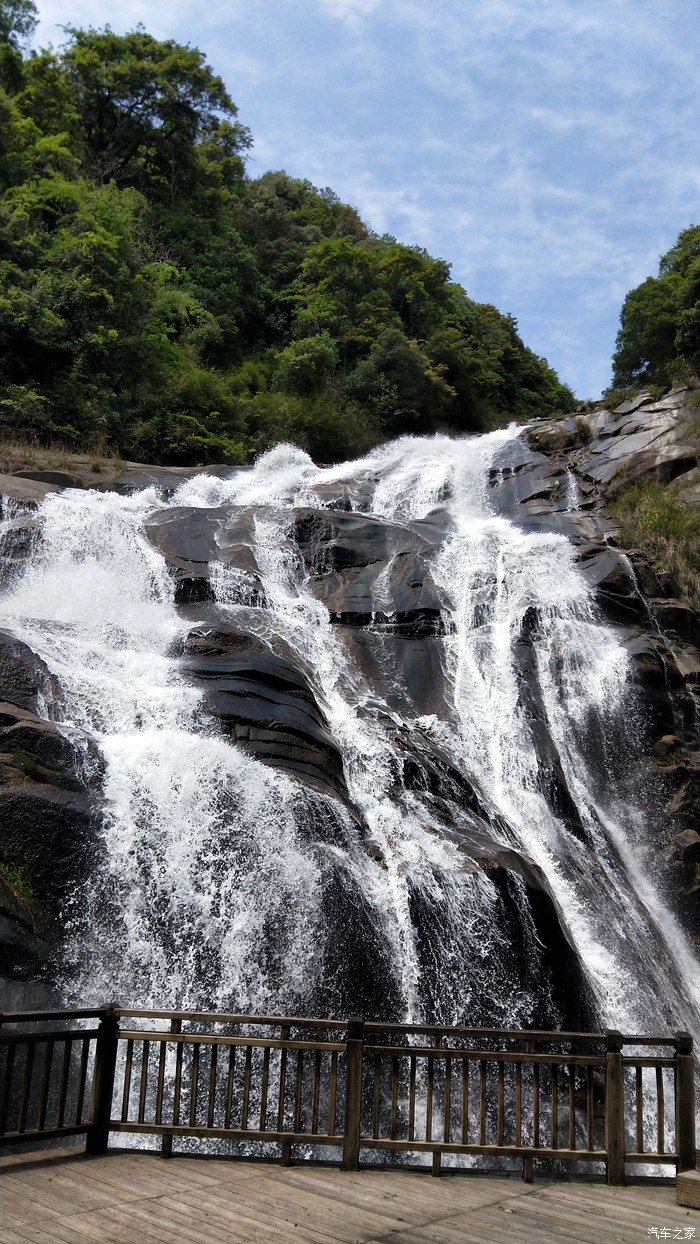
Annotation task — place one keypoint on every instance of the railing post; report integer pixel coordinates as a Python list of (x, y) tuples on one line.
[(614, 1108), (685, 1102), (353, 1093), (103, 1082)]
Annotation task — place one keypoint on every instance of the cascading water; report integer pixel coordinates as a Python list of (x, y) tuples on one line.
[(221, 882)]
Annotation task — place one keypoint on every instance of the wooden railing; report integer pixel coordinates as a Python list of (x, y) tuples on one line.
[(350, 1086)]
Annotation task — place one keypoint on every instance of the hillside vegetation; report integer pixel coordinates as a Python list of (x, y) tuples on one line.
[(659, 338), (158, 303)]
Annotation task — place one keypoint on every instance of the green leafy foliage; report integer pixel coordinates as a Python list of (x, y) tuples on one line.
[(659, 337), (158, 303)]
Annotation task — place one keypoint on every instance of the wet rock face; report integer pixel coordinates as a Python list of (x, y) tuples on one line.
[(558, 476), (48, 811), (266, 704), (369, 572)]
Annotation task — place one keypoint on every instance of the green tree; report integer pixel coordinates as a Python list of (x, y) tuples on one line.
[(18, 19), (660, 319), (151, 114)]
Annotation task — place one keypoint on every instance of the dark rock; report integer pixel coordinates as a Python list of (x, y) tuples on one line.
[(190, 539), (663, 465), (551, 777), (26, 492), (616, 588), (28, 936), (50, 833), (678, 617), (25, 679), (268, 705), (45, 754), (62, 479), (688, 846), (368, 572)]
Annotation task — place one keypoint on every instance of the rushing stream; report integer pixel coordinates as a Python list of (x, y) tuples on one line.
[(221, 881)]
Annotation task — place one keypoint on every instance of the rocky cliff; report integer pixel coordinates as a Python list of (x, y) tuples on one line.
[(566, 476), (372, 577)]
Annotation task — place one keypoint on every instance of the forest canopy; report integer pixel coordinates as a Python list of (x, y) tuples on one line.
[(659, 337), (158, 302)]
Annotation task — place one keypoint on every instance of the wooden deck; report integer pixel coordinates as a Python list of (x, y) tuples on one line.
[(66, 1197)]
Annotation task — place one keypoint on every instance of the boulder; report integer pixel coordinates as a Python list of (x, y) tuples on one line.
[(50, 833), (369, 572), (61, 479), (267, 705), (191, 538), (29, 935), (25, 680)]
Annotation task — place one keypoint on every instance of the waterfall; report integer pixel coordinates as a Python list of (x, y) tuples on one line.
[(220, 881)]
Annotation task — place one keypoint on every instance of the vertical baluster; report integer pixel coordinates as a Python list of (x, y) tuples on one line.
[(230, 1073), (82, 1078), (482, 1102), (194, 1084), (528, 1162), (143, 1089), (160, 1083), (572, 1106), (264, 1089), (63, 1087), (211, 1104), (465, 1101), (429, 1099), (246, 1086), (166, 1144), (660, 1110), (285, 1147), (376, 1095), (127, 1080), (518, 1104), (500, 1104), (554, 1140), (639, 1107), (589, 1107), (332, 1093), (437, 1156), (26, 1088), (177, 1088), (315, 1092), (298, 1095), (447, 1129), (5, 1103), (394, 1096), (44, 1104), (412, 1098)]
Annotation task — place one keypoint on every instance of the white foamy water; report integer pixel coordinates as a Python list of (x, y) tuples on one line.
[(222, 882)]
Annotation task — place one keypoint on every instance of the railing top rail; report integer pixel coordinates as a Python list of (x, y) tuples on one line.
[(632, 1039), (231, 1017), (38, 1017), (372, 1028), (494, 1034)]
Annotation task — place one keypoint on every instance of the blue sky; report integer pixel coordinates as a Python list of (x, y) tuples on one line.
[(548, 149)]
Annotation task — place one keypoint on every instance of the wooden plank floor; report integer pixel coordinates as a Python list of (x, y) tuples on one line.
[(64, 1197)]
